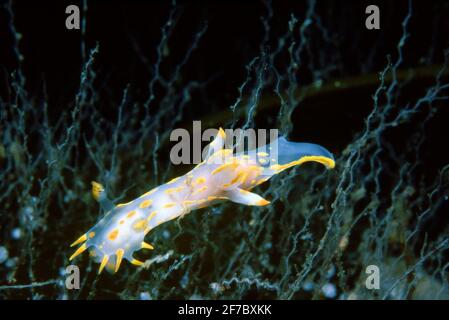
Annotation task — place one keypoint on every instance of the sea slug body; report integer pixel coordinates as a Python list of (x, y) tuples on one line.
[(221, 176)]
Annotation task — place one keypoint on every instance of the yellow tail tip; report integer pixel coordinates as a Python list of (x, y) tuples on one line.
[(263, 202)]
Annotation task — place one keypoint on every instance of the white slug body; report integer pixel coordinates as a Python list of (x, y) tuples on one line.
[(222, 176)]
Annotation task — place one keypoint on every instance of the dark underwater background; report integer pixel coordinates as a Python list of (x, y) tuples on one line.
[(99, 104)]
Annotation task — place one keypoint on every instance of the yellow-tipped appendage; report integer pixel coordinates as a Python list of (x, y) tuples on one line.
[(97, 190), (137, 262), (103, 263), (222, 133), (147, 246), (119, 253), (78, 251), (80, 239)]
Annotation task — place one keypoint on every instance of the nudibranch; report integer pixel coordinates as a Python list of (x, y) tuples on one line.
[(223, 175)]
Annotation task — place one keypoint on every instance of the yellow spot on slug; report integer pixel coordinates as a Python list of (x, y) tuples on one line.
[(113, 235), (91, 234), (140, 225), (262, 154), (169, 205), (241, 177), (236, 178), (210, 198), (174, 190), (202, 189), (188, 202), (200, 180), (225, 166), (145, 204), (131, 214), (244, 191), (151, 216)]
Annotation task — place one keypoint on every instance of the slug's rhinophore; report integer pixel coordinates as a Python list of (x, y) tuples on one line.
[(223, 175)]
